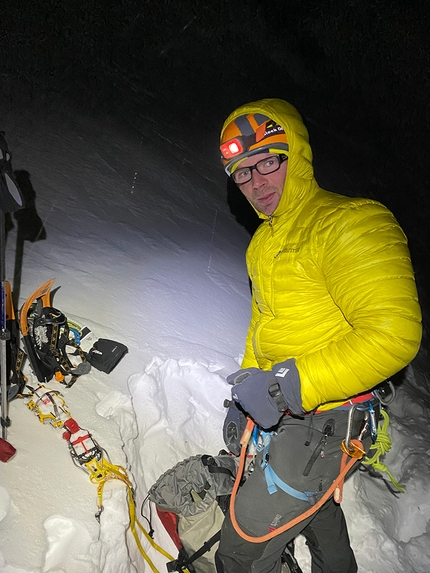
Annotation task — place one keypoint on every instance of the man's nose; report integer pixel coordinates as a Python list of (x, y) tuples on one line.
[(258, 180)]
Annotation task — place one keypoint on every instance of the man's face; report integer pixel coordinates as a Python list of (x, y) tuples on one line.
[(263, 191)]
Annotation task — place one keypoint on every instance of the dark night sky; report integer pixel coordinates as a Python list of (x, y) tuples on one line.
[(357, 70)]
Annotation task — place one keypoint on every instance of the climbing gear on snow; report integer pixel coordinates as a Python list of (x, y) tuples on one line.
[(53, 346), (82, 446), (50, 406), (46, 337)]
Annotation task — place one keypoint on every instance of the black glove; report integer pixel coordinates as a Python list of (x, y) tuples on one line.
[(234, 426), (266, 394)]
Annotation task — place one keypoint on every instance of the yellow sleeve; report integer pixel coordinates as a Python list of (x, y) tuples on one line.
[(249, 360), (368, 273)]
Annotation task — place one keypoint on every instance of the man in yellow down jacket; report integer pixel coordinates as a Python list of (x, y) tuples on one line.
[(334, 313)]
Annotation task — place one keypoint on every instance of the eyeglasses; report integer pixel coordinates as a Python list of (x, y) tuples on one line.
[(264, 167)]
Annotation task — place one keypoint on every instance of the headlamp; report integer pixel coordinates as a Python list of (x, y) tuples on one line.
[(231, 148)]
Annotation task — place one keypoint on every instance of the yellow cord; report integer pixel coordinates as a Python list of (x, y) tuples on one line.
[(102, 471), (382, 446)]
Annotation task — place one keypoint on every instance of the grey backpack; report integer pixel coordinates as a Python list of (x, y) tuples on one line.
[(191, 499)]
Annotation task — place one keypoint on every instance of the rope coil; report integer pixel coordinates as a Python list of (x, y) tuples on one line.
[(381, 447)]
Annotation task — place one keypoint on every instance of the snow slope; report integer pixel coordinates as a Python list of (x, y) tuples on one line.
[(142, 243)]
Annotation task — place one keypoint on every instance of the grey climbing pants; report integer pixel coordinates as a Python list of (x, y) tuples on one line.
[(307, 461)]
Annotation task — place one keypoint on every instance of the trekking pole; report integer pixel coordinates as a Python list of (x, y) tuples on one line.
[(4, 334), (10, 201), (6, 449)]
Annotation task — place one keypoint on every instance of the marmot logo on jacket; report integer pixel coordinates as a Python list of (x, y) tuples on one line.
[(288, 249)]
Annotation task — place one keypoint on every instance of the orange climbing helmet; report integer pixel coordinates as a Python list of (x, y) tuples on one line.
[(248, 135)]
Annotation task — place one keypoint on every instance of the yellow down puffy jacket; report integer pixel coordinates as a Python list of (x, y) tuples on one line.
[(332, 282)]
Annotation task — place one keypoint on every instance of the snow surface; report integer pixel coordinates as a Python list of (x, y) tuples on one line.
[(142, 243)]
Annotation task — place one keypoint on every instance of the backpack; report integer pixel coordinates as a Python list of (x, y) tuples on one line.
[(191, 500)]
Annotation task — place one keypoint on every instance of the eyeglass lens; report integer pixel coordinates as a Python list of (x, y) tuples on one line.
[(264, 167)]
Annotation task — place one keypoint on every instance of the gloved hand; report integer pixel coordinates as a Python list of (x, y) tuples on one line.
[(242, 375), (266, 394), (234, 426)]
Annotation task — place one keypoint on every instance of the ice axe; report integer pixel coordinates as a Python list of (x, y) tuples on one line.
[(10, 201)]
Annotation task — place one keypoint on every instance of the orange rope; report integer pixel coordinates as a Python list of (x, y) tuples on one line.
[(335, 489)]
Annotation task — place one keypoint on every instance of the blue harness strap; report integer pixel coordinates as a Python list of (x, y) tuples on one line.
[(273, 481)]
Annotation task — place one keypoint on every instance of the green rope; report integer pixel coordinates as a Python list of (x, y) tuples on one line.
[(382, 446)]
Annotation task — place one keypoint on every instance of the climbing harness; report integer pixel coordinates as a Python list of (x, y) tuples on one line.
[(353, 451), (335, 489), (50, 407)]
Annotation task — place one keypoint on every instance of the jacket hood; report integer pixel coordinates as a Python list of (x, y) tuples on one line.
[(300, 183)]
